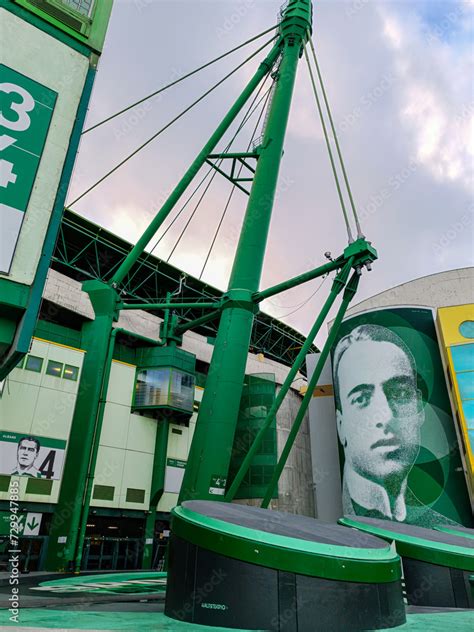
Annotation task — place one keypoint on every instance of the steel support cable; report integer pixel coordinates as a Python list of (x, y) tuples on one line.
[(246, 118), (244, 121), (176, 118), (229, 199), (343, 167), (328, 145), (303, 303), (173, 83)]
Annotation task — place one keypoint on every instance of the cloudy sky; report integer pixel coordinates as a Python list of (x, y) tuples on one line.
[(399, 79)]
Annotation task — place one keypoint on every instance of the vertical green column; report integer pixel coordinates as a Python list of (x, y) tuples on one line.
[(157, 488), (64, 528), (209, 458)]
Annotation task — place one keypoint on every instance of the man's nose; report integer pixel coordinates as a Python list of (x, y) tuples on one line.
[(382, 411)]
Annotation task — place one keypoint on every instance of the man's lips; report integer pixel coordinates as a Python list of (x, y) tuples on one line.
[(392, 442)]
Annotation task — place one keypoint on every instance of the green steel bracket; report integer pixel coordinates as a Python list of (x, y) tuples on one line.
[(169, 332), (197, 322), (240, 298), (237, 159), (297, 20), (104, 299), (363, 251), (348, 295)]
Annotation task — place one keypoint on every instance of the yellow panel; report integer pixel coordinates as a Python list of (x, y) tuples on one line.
[(449, 319)]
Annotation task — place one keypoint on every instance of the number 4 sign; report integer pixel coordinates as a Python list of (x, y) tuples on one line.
[(26, 109)]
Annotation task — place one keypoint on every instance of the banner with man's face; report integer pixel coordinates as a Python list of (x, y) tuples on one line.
[(33, 456), (398, 444)]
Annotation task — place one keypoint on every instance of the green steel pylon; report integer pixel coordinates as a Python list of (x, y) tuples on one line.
[(209, 458)]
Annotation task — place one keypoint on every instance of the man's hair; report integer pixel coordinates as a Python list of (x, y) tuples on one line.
[(375, 333), (34, 439)]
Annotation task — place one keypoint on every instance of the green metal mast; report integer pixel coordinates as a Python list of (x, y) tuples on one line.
[(206, 471), (65, 532), (209, 458)]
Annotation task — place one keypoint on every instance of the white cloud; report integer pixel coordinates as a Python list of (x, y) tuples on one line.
[(434, 77)]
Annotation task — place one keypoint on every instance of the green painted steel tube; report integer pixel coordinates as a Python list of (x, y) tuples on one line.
[(146, 306), (168, 206), (180, 329), (93, 455), (89, 483), (157, 487), (66, 518), (298, 280), (348, 296), (207, 469), (338, 285)]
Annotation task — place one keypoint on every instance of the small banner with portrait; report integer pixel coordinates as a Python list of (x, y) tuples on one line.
[(31, 455)]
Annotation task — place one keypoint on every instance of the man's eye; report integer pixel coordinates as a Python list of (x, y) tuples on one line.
[(403, 394), (362, 399)]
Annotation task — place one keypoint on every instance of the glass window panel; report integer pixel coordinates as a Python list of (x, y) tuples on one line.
[(466, 385), (468, 410), (463, 357), (81, 6), (33, 363), (54, 368), (182, 390), (152, 387), (466, 329), (71, 372)]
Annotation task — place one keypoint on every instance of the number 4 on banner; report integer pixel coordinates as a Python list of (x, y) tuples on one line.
[(6, 173)]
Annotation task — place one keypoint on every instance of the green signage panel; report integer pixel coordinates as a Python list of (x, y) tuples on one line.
[(26, 109)]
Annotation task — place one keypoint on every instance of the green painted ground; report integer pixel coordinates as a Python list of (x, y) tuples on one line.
[(40, 619)]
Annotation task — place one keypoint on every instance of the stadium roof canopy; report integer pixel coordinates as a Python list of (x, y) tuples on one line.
[(85, 250)]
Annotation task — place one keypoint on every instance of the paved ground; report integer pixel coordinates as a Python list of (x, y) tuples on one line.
[(135, 601)]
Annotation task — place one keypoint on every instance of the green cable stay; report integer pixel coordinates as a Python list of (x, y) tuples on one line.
[(339, 284), (233, 189), (360, 234), (174, 83), (169, 124), (245, 120), (256, 102)]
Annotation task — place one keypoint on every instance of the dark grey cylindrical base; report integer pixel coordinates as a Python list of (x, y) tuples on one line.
[(436, 586), (210, 589)]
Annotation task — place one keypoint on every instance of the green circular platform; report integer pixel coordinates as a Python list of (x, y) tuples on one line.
[(444, 548), (286, 542)]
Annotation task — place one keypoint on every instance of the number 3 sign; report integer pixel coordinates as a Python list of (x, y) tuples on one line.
[(26, 109)]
